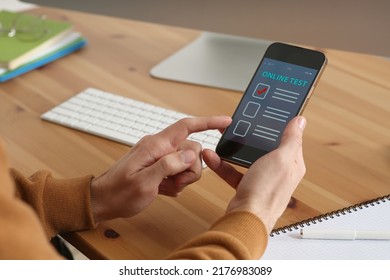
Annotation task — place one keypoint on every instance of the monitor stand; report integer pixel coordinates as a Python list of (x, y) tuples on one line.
[(214, 60)]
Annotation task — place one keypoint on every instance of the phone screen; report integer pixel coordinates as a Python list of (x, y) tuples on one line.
[(276, 94)]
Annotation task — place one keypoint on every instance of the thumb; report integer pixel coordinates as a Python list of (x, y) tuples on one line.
[(291, 141)]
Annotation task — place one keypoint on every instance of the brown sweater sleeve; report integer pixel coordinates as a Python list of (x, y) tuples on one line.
[(52, 206), (21, 234), (62, 205), (238, 235)]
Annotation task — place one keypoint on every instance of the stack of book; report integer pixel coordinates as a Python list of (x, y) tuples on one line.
[(28, 42)]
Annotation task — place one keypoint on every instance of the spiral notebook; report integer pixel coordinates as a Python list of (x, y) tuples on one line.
[(285, 243)]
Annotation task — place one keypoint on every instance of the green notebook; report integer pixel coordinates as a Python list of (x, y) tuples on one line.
[(32, 36)]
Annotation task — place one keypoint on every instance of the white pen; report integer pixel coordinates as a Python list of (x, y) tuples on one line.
[(345, 234)]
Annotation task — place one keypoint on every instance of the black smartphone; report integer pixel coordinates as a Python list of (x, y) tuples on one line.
[(278, 91)]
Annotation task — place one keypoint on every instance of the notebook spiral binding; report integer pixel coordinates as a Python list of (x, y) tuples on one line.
[(330, 215)]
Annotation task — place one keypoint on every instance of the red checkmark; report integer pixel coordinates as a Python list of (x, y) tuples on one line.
[(260, 92)]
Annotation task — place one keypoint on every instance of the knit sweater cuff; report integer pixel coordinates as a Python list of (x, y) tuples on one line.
[(247, 228), (68, 204)]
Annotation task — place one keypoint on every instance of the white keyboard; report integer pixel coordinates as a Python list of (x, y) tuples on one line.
[(119, 118)]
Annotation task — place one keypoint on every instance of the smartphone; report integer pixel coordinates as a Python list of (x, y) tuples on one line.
[(278, 91)]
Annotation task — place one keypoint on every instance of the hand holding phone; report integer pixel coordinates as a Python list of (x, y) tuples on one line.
[(278, 91), (266, 187)]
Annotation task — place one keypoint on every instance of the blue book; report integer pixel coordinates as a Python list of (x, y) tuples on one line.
[(68, 46)]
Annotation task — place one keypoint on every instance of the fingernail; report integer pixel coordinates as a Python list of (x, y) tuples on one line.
[(301, 122), (187, 157)]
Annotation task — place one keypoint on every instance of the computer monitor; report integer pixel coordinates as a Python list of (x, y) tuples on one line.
[(236, 32)]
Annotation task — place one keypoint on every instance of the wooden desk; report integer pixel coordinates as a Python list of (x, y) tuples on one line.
[(346, 143)]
